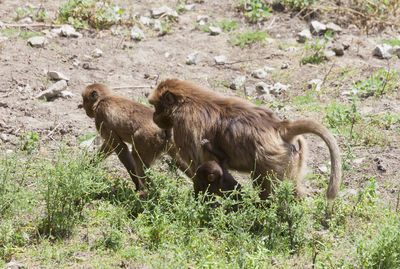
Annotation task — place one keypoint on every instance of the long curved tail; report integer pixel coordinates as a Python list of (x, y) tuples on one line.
[(292, 129)]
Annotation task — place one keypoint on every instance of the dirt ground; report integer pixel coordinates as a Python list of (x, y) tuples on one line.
[(130, 63)]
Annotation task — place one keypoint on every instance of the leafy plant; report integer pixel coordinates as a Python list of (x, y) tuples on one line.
[(300, 4), (381, 82), (314, 52), (29, 141), (248, 38), (255, 10), (38, 14), (99, 14)]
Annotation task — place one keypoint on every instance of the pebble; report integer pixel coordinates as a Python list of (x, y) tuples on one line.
[(334, 28), (193, 58), (37, 41), (383, 51), (259, 73), (163, 11), (303, 36), (69, 31), (53, 90), (238, 83), (317, 28), (57, 75), (220, 60), (215, 30), (137, 34), (315, 83), (97, 53)]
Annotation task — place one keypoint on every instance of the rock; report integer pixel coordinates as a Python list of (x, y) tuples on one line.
[(202, 18), (15, 265), (259, 73), (167, 54), (263, 88), (279, 89), (57, 75), (334, 28), (190, 7), (92, 142), (69, 31), (285, 66), (37, 41), (381, 166), (1, 24), (4, 137), (97, 53), (238, 83), (329, 54), (303, 36), (269, 40), (358, 161), (345, 45), (396, 51), (53, 90), (215, 30), (49, 34), (266, 97), (146, 21), (137, 34), (159, 28), (220, 60), (193, 58), (383, 51), (26, 20), (315, 84), (347, 193), (338, 48), (323, 168), (163, 11), (291, 49), (317, 28), (268, 69), (67, 94), (85, 66)]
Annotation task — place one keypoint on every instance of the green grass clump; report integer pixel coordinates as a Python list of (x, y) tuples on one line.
[(254, 10), (379, 83), (98, 14), (248, 38), (314, 53)]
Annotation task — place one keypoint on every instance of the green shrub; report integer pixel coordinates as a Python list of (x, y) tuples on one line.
[(248, 38), (254, 10), (381, 82), (314, 53)]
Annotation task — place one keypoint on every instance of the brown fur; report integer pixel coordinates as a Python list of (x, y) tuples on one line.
[(212, 176), (252, 137), (120, 121)]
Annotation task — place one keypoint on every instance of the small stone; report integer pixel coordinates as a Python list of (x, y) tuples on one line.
[(67, 94), (338, 49), (396, 51), (57, 75), (291, 49), (37, 41), (383, 51), (158, 26), (315, 84), (381, 166), (329, 54), (263, 88), (4, 137), (269, 40), (15, 265), (137, 34), (358, 161), (53, 90), (285, 66), (69, 31), (146, 21), (268, 69), (266, 97), (92, 142), (238, 83), (193, 58), (346, 93), (97, 53), (1, 24), (85, 66), (334, 28), (279, 89), (347, 193), (167, 54), (303, 36), (203, 18), (317, 28), (215, 30), (190, 7), (26, 20), (163, 11), (220, 60), (323, 168), (345, 45), (259, 73)]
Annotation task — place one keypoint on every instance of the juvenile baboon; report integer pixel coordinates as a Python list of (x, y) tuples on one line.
[(213, 176), (120, 121), (253, 138)]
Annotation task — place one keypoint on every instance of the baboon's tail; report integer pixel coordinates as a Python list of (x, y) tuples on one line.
[(292, 129)]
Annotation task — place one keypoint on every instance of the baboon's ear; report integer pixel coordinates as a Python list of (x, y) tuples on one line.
[(169, 98), (93, 96), (211, 177)]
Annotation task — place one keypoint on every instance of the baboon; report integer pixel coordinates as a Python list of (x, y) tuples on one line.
[(254, 139), (120, 121), (213, 176)]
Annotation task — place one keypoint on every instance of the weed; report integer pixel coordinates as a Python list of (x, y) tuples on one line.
[(38, 14), (314, 52), (381, 82), (392, 42), (99, 14), (248, 38), (227, 26), (300, 4), (255, 10), (29, 142)]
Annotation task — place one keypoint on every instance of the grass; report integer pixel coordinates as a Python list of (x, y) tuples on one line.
[(59, 211), (16, 33), (248, 38)]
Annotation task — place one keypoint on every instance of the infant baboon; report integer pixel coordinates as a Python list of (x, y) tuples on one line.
[(120, 121)]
